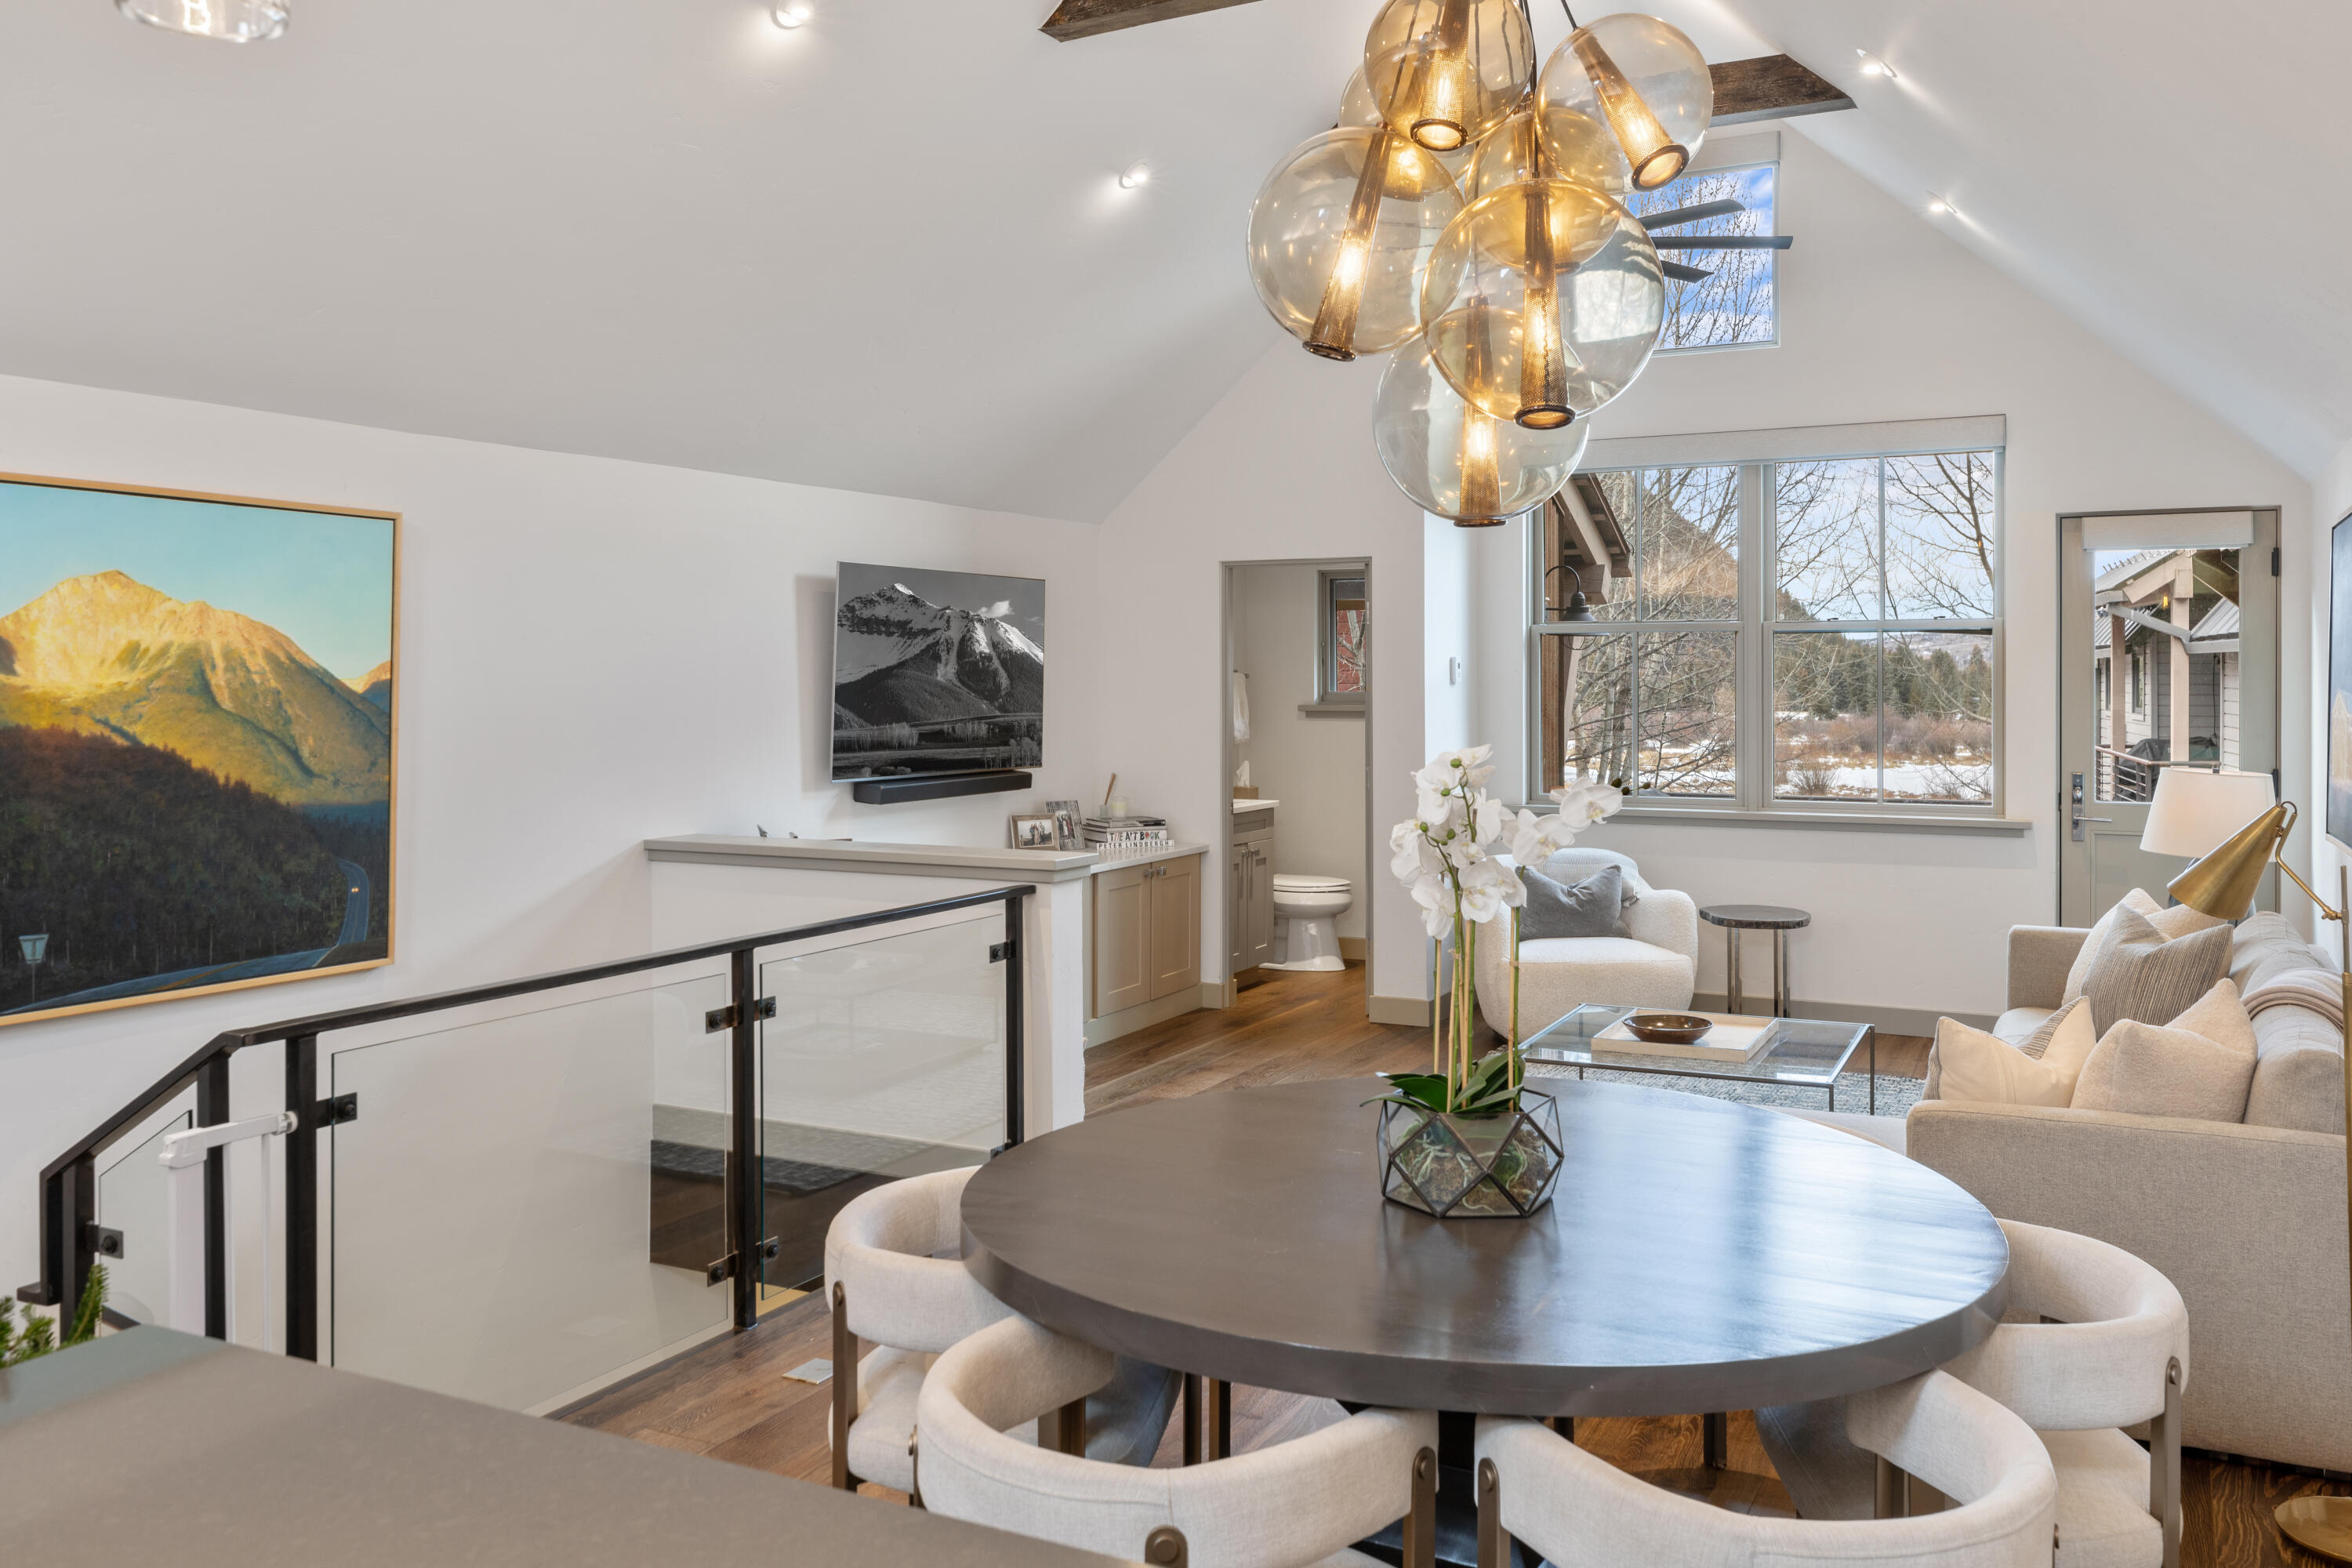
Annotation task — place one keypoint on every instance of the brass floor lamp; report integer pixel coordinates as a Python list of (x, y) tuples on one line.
[(2222, 884)]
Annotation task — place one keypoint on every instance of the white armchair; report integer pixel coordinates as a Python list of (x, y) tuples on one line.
[(1579, 1512), (1656, 965), (2097, 1341), (893, 1279), (1297, 1504)]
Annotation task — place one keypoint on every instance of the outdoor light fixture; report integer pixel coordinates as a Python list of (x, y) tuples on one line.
[(231, 21), (1873, 66), (1134, 175), (34, 948), (790, 14)]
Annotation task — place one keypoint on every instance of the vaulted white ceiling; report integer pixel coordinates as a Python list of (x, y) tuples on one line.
[(888, 251)]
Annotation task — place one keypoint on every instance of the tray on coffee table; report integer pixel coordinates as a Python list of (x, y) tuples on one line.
[(1801, 1052)]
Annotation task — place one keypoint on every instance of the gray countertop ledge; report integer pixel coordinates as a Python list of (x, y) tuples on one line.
[(900, 859)]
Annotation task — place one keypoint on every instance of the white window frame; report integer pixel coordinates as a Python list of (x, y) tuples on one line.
[(1728, 155), (1754, 453)]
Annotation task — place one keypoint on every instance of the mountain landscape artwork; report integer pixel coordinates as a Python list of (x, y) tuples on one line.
[(196, 702), (936, 672)]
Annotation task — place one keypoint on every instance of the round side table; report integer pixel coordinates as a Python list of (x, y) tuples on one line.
[(1774, 918)]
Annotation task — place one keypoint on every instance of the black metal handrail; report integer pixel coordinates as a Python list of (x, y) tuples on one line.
[(70, 1242)]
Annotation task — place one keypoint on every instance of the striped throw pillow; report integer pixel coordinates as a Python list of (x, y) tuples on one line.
[(2137, 973)]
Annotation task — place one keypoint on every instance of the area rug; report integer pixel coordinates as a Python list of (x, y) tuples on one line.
[(1897, 1096)]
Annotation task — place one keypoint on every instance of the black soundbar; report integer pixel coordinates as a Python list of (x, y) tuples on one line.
[(938, 787)]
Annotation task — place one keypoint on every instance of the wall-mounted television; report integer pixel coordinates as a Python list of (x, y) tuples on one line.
[(936, 672)]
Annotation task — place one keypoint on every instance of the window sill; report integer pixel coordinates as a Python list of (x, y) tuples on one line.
[(1831, 822), (1332, 709)]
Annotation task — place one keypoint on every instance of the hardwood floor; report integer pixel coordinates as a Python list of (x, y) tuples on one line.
[(730, 1399)]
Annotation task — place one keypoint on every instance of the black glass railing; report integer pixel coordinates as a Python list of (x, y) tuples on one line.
[(519, 1193)]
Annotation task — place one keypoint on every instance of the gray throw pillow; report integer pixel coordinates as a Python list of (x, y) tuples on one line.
[(2137, 974), (1594, 907)]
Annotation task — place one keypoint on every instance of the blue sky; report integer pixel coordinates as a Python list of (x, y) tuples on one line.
[(324, 581)]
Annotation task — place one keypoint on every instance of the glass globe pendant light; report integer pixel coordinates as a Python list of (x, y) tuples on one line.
[(1453, 459), (235, 21), (1646, 81), (1557, 143), (1491, 299), (1446, 72), (1337, 235)]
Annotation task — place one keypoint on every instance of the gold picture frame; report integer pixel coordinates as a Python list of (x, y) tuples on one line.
[(115, 689)]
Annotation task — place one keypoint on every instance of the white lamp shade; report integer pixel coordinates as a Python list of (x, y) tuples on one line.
[(2194, 810)]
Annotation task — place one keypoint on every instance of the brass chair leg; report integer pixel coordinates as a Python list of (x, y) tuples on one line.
[(1494, 1543), (2164, 1466), (1421, 1524), (844, 1388), (1888, 1499)]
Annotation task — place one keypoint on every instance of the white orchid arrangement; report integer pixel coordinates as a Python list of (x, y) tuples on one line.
[(1445, 856)]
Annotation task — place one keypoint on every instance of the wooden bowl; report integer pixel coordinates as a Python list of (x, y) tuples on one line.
[(1668, 1028)]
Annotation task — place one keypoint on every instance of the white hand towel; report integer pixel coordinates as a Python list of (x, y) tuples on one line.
[(1241, 706)]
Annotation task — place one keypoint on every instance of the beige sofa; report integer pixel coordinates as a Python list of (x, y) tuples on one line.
[(2247, 1219)]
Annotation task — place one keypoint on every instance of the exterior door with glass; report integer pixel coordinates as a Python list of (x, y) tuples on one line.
[(2169, 627)]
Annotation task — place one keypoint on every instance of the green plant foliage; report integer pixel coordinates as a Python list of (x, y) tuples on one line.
[(1491, 1089), (38, 1336)]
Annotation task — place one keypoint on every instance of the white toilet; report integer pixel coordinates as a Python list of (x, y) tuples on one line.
[(1306, 910)]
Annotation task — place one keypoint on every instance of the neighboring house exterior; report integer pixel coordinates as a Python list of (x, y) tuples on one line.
[(2174, 695)]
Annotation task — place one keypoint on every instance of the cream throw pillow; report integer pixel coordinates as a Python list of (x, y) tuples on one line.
[(1982, 1067), (2033, 1045), (2199, 1066), (2176, 922), (2138, 972)]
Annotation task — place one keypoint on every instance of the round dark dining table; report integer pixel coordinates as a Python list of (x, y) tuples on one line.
[(1697, 1255)]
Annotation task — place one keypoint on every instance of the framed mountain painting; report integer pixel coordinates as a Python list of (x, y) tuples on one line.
[(196, 743)]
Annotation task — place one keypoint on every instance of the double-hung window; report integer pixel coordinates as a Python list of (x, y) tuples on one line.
[(1815, 635)]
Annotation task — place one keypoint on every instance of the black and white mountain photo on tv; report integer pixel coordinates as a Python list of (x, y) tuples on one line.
[(936, 672)]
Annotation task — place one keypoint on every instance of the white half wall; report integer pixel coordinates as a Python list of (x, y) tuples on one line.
[(593, 653)]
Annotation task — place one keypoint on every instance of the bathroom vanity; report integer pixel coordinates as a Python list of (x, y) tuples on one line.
[(1143, 914), (1249, 886)]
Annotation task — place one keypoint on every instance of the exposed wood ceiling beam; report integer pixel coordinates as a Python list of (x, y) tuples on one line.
[(1769, 87), (1085, 18)]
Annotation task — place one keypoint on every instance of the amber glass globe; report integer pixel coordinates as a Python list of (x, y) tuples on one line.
[(1446, 72), (1609, 313), (1495, 295), (1338, 236), (1455, 461), (1645, 81), (1559, 145)]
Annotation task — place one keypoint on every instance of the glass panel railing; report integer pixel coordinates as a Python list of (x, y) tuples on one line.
[(130, 1199), (520, 1214), (884, 1059)]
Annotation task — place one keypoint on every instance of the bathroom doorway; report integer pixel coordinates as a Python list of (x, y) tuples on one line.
[(1298, 747)]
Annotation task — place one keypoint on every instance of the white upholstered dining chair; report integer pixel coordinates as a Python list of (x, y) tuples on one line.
[(893, 1277), (1579, 1512), (1296, 1505), (2097, 1341)]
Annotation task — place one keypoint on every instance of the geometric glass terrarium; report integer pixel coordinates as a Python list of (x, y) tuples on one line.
[(1496, 1164)]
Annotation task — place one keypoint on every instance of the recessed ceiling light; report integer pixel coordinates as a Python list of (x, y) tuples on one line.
[(233, 21), (790, 13), (1873, 66), (1134, 175), (1941, 207)]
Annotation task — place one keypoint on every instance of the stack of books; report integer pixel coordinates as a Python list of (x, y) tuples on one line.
[(1126, 834)]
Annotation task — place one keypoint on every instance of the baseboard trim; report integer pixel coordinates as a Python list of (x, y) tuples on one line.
[(1355, 949), (1220, 992), (1408, 1010), (1175, 1005), (1914, 1021)]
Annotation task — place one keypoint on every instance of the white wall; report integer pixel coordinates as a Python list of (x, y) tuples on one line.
[(2305, 605), (1312, 764), (593, 653), (1282, 469)]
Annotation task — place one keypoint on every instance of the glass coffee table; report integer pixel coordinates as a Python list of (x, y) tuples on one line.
[(1801, 1052)]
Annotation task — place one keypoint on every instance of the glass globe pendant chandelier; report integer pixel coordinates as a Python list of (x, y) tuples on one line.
[(233, 21), (1465, 216)]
